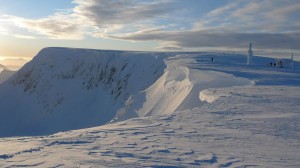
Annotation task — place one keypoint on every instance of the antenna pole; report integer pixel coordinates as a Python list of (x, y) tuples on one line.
[(292, 58), (250, 55)]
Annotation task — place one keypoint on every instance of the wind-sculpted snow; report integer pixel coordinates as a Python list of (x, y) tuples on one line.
[(178, 88), (229, 132)]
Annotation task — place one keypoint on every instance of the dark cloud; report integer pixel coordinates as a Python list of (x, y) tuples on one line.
[(196, 39), (269, 24), (257, 15), (102, 12)]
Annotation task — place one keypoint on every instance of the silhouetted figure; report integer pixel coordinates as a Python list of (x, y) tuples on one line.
[(280, 64), (271, 64), (212, 59)]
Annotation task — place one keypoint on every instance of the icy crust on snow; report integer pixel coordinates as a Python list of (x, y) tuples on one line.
[(63, 89)]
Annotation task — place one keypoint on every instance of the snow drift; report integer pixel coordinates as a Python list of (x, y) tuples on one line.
[(178, 88)]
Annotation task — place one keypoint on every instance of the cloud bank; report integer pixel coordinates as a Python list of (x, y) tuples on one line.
[(200, 38)]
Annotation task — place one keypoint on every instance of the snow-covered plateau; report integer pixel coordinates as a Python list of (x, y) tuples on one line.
[(101, 108)]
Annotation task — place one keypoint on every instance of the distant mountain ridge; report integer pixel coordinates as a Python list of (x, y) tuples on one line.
[(5, 73), (2, 67)]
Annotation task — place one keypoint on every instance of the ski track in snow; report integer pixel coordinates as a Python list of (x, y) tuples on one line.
[(242, 125)]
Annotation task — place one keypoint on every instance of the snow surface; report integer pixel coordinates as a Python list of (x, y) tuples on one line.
[(190, 112)]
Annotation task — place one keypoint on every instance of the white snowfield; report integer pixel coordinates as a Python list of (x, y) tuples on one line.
[(159, 110)]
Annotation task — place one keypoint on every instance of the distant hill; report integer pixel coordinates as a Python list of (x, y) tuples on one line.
[(5, 73), (13, 63), (2, 67)]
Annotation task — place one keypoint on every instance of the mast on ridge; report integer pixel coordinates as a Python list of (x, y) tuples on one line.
[(250, 55)]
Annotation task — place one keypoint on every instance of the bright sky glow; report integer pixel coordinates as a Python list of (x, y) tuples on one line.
[(273, 26)]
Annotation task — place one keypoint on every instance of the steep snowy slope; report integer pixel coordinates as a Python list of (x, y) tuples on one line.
[(63, 89)]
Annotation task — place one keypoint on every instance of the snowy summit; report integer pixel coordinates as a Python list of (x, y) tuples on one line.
[(103, 108)]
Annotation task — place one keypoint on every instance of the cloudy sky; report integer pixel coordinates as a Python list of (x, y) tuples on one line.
[(273, 26)]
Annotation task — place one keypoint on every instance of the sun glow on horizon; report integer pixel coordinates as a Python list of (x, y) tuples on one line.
[(14, 63)]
